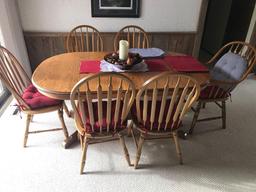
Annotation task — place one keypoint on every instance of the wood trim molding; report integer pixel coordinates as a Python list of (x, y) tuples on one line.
[(41, 45)]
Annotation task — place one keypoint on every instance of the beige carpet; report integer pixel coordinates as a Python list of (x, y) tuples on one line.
[(214, 159)]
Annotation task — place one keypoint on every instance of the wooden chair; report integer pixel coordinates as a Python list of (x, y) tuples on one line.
[(219, 91), (135, 35), (159, 112), (106, 116), (30, 101), (84, 38)]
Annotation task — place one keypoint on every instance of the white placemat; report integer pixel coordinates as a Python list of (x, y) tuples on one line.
[(148, 52), (108, 67)]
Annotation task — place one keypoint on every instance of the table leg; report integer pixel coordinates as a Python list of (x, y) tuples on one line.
[(71, 140)]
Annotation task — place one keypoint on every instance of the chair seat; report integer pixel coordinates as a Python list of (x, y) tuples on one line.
[(119, 127), (35, 100), (213, 92), (147, 126)]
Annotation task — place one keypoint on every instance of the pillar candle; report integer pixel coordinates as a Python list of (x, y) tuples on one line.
[(123, 49)]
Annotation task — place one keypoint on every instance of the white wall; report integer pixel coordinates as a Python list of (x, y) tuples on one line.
[(11, 32), (63, 15)]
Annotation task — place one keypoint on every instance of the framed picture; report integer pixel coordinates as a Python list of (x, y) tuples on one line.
[(115, 8)]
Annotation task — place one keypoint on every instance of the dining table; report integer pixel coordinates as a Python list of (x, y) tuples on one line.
[(56, 76)]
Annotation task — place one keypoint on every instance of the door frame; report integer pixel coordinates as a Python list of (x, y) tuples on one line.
[(253, 36), (200, 27)]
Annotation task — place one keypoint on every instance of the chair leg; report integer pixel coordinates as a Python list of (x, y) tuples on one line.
[(134, 138), (223, 111), (129, 130), (29, 117), (66, 109), (127, 156), (81, 139), (84, 150), (177, 145), (196, 115), (141, 141), (60, 113)]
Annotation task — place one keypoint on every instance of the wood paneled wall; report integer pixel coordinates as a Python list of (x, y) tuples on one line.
[(43, 45)]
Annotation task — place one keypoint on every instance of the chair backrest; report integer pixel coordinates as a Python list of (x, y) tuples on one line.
[(163, 109), (104, 100), (84, 38), (237, 59), (13, 75), (135, 35)]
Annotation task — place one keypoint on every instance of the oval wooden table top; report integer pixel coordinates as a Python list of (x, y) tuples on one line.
[(56, 76)]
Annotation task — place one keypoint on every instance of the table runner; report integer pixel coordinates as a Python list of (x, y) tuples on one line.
[(175, 63), (185, 64), (93, 66), (90, 66)]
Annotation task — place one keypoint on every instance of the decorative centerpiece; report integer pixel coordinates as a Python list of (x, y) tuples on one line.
[(132, 59), (123, 59)]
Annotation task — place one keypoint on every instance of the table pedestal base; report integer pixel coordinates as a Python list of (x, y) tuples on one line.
[(72, 139)]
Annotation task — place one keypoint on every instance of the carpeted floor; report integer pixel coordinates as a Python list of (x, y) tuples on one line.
[(214, 159)]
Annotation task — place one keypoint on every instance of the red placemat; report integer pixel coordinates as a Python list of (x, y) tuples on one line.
[(185, 64), (90, 66), (156, 65)]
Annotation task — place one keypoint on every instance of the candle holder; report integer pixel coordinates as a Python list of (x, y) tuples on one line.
[(123, 49), (132, 59)]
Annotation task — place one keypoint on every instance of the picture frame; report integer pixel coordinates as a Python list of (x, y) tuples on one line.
[(115, 8)]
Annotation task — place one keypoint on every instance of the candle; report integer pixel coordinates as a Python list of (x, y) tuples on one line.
[(123, 49)]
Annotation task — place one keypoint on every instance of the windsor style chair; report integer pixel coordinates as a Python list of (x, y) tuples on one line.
[(135, 35), (84, 38), (30, 101), (230, 65), (159, 111), (104, 116)]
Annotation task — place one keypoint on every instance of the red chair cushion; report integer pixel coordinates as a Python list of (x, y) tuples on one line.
[(147, 125), (210, 93), (36, 100), (120, 126)]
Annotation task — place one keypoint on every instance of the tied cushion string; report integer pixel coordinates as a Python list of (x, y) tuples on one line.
[(19, 108), (228, 93), (142, 127)]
